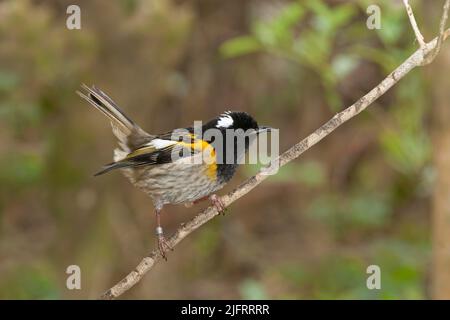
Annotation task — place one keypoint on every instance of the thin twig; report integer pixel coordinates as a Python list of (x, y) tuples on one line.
[(442, 24), (414, 25), (418, 58)]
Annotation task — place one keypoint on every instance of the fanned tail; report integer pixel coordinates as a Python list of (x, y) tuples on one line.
[(129, 134)]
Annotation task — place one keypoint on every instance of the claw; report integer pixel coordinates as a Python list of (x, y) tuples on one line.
[(218, 203), (163, 246)]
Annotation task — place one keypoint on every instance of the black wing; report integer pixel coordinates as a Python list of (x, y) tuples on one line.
[(165, 148)]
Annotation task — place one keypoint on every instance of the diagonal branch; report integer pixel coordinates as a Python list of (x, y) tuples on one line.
[(416, 59)]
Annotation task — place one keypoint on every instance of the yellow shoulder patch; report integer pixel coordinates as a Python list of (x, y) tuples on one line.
[(209, 155)]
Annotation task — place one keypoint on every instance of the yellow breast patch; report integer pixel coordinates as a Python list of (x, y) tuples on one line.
[(209, 155)]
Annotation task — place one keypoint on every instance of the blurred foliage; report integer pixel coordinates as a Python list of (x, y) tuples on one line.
[(402, 274), (312, 48), (30, 282), (309, 173), (403, 138), (252, 290), (360, 197), (361, 211)]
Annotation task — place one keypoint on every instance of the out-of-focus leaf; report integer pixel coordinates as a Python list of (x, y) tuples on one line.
[(343, 64), (8, 80), (208, 240), (294, 273), (368, 210), (289, 16), (277, 32), (239, 46), (20, 115), (403, 267), (392, 27), (346, 278), (321, 15), (342, 15), (20, 169), (252, 290), (380, 57), (406, 151), (312, 49), (359, 211), (273, 34), (329, 20), (310, 173), (282, 25), (29, 282)]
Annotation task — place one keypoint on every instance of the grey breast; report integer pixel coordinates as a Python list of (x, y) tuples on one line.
[(174, 183)]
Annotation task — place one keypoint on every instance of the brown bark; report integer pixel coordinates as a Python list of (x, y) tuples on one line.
[(440, 276)]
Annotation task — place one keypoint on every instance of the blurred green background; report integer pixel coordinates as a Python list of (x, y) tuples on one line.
[(362, 196)]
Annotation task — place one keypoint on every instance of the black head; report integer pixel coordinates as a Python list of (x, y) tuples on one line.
[(236, 120), (233, 120), (244, 126)]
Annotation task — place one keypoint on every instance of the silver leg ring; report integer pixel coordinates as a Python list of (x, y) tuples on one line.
[(159, 231)]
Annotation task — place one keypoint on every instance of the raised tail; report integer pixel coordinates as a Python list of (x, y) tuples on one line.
[(129, 134)]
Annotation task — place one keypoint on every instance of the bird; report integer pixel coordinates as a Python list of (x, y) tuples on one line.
[(182, 166)]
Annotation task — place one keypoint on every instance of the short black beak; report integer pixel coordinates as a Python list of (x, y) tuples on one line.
[(262, 129)]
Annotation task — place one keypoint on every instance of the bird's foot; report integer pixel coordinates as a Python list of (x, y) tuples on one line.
[(218, 203), (190, 204), (163, 245)]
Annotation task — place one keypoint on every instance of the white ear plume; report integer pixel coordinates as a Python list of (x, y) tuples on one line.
[(225, 121)]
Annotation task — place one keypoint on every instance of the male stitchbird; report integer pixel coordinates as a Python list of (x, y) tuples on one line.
[(159, 164)]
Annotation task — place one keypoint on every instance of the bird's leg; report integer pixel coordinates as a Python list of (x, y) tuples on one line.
[(220, 206), (215, 200), (190, 204), (162, 242)]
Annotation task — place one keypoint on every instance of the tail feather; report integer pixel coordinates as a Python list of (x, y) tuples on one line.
[(111, 166), (129, 134), (120, 165)]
